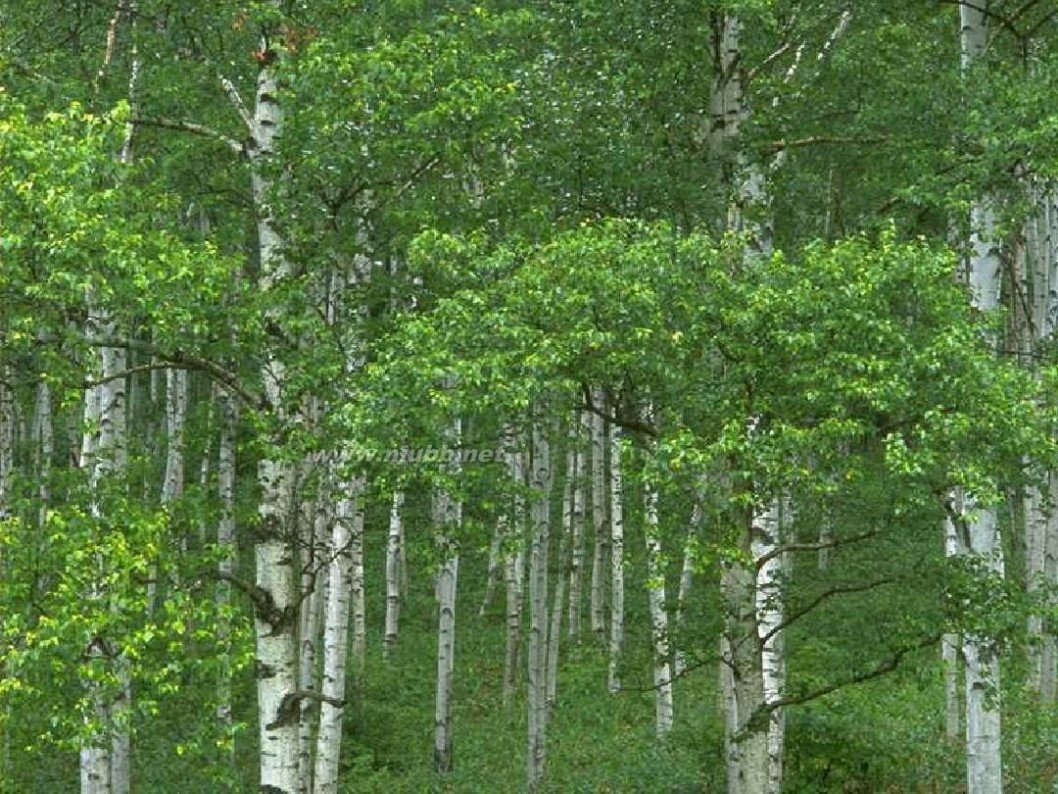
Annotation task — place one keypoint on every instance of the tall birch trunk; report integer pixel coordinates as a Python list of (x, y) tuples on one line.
[(686, 582), (394, 552), (617, 573), (753, 665), (576, 570), (514, 575), (540, 520), (599, 505), (315, 520), (348, 527), (950, 644), (104, 757), (659, 618), (275, 604), (226, 459), (554, 636), (448, 514), (984, 768)]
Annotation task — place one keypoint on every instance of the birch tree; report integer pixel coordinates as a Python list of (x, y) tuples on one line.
[(536, 655), (978, 522)]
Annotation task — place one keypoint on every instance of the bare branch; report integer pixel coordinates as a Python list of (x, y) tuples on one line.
[(823, 544), (824, 140), (887, 665), (819, 599), (236, 100), (191, 127), (182, 360)]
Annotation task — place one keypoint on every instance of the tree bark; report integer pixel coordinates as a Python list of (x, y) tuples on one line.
[(394, 551), (448, 514), (275, 607), (659, 618), (599, 504), (617, 574), (348, 526), (540, 519), (576, 571), (984, 768)]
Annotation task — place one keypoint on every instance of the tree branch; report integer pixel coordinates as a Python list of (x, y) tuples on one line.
[(824, 140), (885, 666), (191, 127), (823, 544), (236, 100), (819, 599)]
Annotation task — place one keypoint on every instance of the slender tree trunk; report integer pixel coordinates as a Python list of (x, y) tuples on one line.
[(558, 604), (767, 539), (8, 422), (176, 398), (686, 582), (950, 644), (540, 519), (315, 520), (348, 526), (617, 573), (601, 552), (495, 566), (514, 575), (393, 557), (448, 515), (1049, 650), (659, 618), (576, 572), (226, 458)]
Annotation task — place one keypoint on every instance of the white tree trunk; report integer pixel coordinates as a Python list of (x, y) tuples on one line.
[(540, 519), (447, 515), (226, 458), (393, 558), (514, 575), (315, 521), (576, 571), (950, 645), (104, 453), (275, 609), (767, 537), (617, 573), (659, 617), (686, 582), (348, 526), (599, 505), (984, 768), (7, 440), (1049, 650), (554, 636)]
